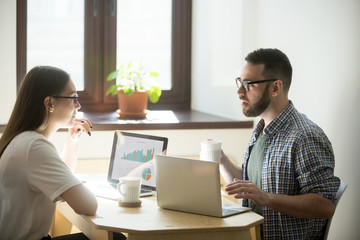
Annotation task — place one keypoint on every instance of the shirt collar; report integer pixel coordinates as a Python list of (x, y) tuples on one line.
[(277, 124)]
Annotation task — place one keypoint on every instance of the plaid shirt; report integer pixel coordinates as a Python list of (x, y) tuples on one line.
[(298, 159)]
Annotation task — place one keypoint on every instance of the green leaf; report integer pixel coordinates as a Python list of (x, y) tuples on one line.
[(121, 70), (128, 91), (112, 75), (153, 74), (112, 90), (128, 66), (154, 94)]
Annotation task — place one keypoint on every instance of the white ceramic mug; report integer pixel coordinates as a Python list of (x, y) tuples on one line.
[(210, 150), (129, 189)]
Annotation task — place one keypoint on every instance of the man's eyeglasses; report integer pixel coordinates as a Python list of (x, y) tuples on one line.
[(75, 98), (245, 83)]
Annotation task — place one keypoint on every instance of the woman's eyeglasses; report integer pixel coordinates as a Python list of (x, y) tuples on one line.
[(75, 98), (245, 83)]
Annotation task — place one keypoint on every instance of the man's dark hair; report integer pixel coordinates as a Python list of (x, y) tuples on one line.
[(276, 64)]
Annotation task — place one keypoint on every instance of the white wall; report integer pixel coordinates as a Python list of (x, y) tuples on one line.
[(218, 50), (322, 40)]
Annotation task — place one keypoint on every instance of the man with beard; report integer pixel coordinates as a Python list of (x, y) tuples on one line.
[(288, 170)]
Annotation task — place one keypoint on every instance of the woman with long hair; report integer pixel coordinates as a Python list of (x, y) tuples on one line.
[(33, 176)]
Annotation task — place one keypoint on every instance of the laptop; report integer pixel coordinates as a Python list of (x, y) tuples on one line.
[(132, 155), (192, 186)]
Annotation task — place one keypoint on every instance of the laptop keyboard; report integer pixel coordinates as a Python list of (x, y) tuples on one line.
[(145, 190), (226, 211), (231, 209)]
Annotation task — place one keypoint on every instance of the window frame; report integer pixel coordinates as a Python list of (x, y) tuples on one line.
[(100, 55)]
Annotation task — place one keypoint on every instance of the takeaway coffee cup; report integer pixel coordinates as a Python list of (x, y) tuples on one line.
[(129, 189), (210, 150)]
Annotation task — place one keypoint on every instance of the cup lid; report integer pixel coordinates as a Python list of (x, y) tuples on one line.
[(211, 144)]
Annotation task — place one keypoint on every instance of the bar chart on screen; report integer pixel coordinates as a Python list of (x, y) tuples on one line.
[(143, 155)]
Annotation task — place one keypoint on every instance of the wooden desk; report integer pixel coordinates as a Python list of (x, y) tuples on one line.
[(151, 222)]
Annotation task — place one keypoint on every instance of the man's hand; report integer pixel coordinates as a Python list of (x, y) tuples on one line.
[(248, 190), (309, 205)]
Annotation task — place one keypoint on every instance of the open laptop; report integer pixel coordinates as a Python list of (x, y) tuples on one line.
[(191, 186), (132, 155)]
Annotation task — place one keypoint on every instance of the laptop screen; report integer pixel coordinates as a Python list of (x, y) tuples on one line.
[(133, 154)]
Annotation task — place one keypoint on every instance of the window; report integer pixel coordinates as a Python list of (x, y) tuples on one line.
[(91, 38), (143, 30), (55, 36)]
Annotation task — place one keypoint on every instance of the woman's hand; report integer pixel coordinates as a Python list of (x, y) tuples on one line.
[(70, 149), (80, 126)]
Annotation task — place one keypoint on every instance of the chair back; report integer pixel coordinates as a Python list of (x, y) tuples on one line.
[(339, 193)]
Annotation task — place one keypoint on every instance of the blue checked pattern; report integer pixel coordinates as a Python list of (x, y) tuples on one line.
[(298, 159)]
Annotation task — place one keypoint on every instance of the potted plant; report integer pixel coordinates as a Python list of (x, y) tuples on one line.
[(134, 87)]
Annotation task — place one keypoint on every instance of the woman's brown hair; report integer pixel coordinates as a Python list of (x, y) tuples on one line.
[(29, 112)]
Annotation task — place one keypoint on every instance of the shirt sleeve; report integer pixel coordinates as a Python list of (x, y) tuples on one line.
[(314, 165), (47, 172)]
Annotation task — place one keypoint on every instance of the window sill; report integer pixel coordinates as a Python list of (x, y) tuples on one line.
[(162, 119)]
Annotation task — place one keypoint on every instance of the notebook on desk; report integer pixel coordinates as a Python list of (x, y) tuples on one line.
[(132, 155), (191, 186)]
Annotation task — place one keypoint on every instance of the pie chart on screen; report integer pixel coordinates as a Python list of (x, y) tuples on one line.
[(146, 174)]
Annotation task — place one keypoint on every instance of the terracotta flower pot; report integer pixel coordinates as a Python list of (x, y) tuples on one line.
[(133, 106)]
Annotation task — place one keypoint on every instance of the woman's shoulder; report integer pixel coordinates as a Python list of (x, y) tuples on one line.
[(28, 142), (28, 136), (29, 139)]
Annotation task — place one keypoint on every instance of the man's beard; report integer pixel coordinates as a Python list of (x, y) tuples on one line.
[(259, 107)]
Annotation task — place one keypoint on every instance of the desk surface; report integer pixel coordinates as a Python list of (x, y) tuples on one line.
[(150, 220)]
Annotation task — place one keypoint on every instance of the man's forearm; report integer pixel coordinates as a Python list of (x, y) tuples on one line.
[(228, 170), (309, 205)]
